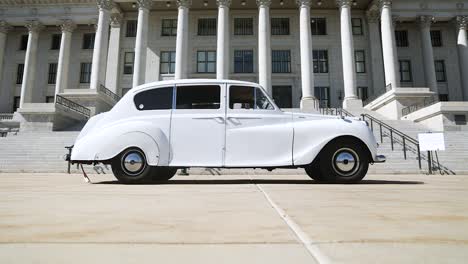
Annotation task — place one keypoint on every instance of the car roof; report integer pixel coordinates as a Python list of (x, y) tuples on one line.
[(190, 81)]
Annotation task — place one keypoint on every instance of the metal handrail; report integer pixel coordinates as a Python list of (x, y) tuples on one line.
[(109, 93), (376, 95), (426, 102), (335, 111), (6, 116), (393, 132), (72, 105)]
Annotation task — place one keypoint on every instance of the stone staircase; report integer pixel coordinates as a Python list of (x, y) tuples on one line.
[(44, 152)]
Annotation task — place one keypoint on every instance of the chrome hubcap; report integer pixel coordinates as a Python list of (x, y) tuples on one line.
[(345, 162), (133, 162)]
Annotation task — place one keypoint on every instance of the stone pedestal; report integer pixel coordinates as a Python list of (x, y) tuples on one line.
[(352, 103), (96, 101), (46, 117), (310, 104), (392, 102)]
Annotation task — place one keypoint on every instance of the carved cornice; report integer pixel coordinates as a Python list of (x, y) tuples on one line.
[(67, 25), (263, 3), (34, 26), (145, 4), (344, 3), (116, 20), (105, 4), (4, 27), (462, 22), (184, 3), (223, 3), (305, 3), (425, 21), (373, 16)]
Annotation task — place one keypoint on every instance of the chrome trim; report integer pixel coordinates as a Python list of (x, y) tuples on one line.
[(380, 159)]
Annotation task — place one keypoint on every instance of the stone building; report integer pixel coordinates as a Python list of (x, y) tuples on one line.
[(64, 60)]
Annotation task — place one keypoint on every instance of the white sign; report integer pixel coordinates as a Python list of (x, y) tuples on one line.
[(431, 141)]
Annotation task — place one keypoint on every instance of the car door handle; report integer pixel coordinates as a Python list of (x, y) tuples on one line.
[(218, 119)]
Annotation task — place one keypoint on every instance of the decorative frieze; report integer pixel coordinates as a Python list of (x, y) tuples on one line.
[(344, 3), (67, 25), (105, 4), (425, 21), (263, 3), (4, 27), (184, 3), (305, 3), (385, 4), (462, 22), (116, 20), (34, 26), (225, 3), (145, 4)]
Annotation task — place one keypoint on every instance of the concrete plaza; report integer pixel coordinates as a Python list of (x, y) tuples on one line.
[(57, 218)]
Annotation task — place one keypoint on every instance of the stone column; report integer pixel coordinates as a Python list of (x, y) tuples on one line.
[(222, 51), (307, 69), (113, 55), (101, 41), (67, 28), (141, 42), (182, 39), (347, 52), (376, 61), (462, 45), (264, 50), (388, 44), (4, 28), (428, 55), (29, 73)]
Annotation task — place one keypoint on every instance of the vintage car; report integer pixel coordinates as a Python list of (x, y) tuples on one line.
[(160, 127)]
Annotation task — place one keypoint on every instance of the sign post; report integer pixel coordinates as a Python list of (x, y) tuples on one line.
[(431, 142)]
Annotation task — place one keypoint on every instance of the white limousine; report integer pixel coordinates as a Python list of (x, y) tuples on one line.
[(160, 127)]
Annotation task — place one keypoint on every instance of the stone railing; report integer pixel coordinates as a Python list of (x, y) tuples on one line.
[(109, 93), (6, 116), (426, 102), (69, 104)]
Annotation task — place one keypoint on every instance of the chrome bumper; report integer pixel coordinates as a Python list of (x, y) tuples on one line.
[(380, 159)]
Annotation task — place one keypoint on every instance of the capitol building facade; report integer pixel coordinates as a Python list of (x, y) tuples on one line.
[(382, 55)]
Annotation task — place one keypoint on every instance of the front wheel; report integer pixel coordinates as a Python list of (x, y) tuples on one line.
[(344, 161), (130, 166)]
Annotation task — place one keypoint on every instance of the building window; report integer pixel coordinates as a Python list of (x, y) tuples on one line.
[(56, 38), (281, 61), (405, 71), (154, 99), (243, 26), (88, 40), (243, 61), (357, 26), (206, 61), (85, 72), (440, 71), (24, 42), (282, 96), (207, 26), (319, 26), (320, 58), (460, 120), (443, 97), (167, 62), (50, 99), (436, 38), (131, 29), (52, 73), (169, 27), (16, 102), (362, 93), (280, 26), (19, 73), (129, 58), (198, 97), (323, 95), (360, 60), (401, 38)]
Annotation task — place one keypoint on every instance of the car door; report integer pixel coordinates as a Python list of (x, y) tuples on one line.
[(198, 126), (258, 133)]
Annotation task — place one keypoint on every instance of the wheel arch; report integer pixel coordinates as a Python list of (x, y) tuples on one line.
[(346, 138)]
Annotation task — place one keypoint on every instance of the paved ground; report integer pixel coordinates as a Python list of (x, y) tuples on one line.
[(58, 218)]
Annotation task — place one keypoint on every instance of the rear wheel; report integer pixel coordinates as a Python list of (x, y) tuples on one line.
[(162, 174), (344, 161), (130, 166)]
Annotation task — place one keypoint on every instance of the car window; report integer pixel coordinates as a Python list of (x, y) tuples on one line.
[(198, 97), (247, 97), (154, 99), (241, 97)]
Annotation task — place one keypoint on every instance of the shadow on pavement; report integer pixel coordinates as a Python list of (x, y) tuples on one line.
[(259, 181)]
